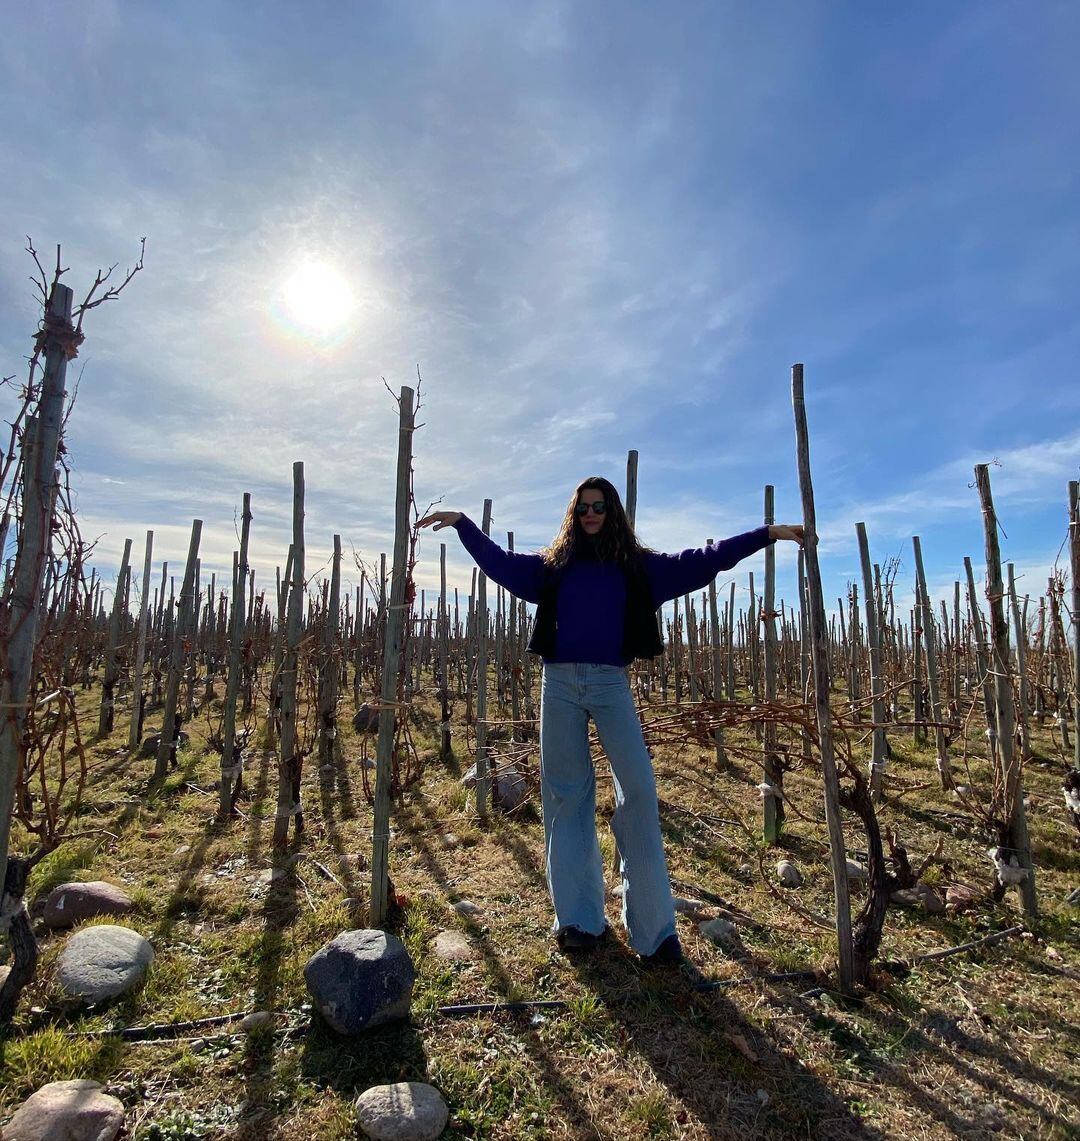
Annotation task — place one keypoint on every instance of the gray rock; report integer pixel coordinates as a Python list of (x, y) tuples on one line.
[(255, 1020), (360, 980), (788, 874), (452, 946), (721, 932), (469, 779), (467, 908), (99, 963), (921, 896), (404, 1111), (67, 1111), (510, 787), (366, 719), (855, 870), (71, 903)]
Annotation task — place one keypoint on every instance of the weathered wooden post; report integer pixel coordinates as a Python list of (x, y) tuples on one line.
[(329, 665), (880, 751), (483, 773), (445, 744), (818, 629), (982, 655), (107, 711), (717, 670), (231, 764), (137, 699), (1010, 775), (289, 756), (181, 645), (773, 793), (930, 649), (395, 626), (1074, 563), (1021, 667)]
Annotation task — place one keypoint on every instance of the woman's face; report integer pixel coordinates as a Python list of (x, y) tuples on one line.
[(591, 522)]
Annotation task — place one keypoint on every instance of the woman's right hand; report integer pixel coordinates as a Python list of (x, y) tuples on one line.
[(441, 519)]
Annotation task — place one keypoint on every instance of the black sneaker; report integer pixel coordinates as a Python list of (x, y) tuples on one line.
[(668, 954), (574, 939)]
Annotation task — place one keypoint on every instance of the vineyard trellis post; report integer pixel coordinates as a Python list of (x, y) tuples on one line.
[(231, 765), (1074, 562), (135, 728), (289, 754), (1010, 772), (389, 710), (328, 667), (773, 792), (929, 640), (107, 709), (879, 750), (483, 769), (170, 728), (818, 631)]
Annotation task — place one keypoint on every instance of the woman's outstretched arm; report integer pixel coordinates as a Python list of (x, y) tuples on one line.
[(673, 575), (522, 575)]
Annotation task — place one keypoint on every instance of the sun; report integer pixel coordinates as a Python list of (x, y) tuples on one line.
[(318, 297)]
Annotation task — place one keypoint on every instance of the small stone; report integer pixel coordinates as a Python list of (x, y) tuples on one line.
[(255, 1020), (469, 779), (453, 947), (467, 908), (450, 840), (855, 870), (744, 871), (67, 1111), (182, 850), (722, 932), (931, 901), (103, 962), (905, 897), (788, 874), (404, 1111), (71, 903)]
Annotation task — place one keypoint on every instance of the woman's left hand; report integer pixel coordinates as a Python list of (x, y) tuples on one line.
[(792, 531)]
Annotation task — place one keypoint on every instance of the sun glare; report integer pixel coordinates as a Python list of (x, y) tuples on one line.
[(317, 297)]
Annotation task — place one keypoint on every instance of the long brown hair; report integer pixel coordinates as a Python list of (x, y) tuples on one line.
[(615, 542)]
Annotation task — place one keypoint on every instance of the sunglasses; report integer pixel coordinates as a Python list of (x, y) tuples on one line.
[(598, 508)]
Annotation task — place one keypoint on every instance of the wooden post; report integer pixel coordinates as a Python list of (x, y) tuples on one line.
[(1074, 562), (717, 669), (140, 650), (170, 725), (445, 744), (231, 764), (483, 776), (773, 798), (106, 712), (328, 666), (1021, 668), (930, 650), (819, 654), (1010, 773), (289, 758), (395, 626), (880, 752)]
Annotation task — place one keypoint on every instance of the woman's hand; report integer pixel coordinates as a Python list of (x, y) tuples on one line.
[(441, 519), (792, 531)]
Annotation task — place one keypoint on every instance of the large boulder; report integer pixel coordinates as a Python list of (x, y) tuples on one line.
[(360, 980), (67, 1111), (100, 963), (71, 903), (404, 1111)]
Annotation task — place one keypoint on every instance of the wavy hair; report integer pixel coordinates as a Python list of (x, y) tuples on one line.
[(615, 542)]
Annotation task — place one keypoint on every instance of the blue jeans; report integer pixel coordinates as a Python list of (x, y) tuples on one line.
[(571, 694)]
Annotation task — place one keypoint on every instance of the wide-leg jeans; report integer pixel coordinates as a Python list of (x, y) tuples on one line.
[(571, 694)]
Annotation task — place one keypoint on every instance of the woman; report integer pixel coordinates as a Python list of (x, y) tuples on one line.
[(597, 590)]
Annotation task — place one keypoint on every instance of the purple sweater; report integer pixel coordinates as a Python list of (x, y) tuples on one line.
[(592, 595)]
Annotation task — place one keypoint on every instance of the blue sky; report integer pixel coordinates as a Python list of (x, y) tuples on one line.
[(594, 227)]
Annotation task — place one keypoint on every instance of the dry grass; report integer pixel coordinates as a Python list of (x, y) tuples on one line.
[(975, 1046)]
